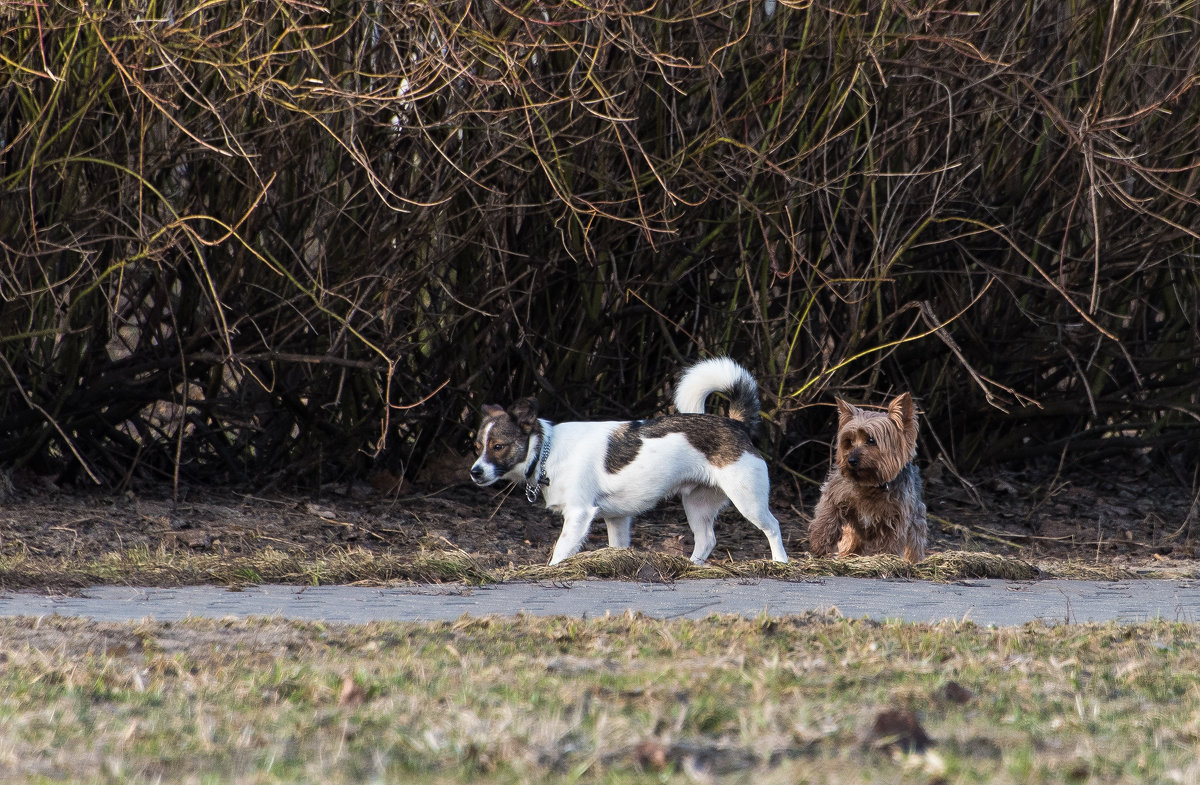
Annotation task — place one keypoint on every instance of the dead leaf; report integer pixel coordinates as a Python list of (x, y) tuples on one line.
[(351, 694), (898, 728), (651, 755), (386, 482), (953, 692), (193, 538)]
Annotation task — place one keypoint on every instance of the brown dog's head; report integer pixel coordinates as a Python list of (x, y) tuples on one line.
[(502, 442), (872, 447)]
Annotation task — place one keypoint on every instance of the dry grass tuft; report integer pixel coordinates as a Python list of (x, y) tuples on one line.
[(617, 563), (636, 565), (957, 565), (1073, 570), (345, 566)]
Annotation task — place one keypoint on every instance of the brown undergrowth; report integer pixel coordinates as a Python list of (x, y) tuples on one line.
[(249, 241)]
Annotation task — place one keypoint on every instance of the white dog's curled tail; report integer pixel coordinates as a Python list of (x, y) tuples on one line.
[(719, 374)]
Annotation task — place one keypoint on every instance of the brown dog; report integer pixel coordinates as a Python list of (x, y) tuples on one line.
[(871, 500)]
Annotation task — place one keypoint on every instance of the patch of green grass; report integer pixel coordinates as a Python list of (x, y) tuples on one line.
[(616, 700)]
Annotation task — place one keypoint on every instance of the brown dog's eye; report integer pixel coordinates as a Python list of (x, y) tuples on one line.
[(870, 440)]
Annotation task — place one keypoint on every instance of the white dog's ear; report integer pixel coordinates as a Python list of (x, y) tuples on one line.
[(492, 410), (525, 413)]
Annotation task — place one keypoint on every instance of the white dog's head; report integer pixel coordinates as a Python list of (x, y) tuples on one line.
[(502, 442)]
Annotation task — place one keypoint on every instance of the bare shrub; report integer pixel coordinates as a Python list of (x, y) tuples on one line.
[(246, 241)]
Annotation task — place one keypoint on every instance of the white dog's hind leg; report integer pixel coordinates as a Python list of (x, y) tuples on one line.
[(749, 489), (765, 521), (576, 522), (618, 532), (701, 506)]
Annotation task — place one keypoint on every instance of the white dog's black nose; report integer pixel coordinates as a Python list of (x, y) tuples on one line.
[(477, 473)]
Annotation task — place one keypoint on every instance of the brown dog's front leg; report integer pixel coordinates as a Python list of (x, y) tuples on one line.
[(851, 542)]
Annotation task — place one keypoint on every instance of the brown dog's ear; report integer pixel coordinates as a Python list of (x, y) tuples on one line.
[(901, 409), (492, 410), (846, 413), (525, 413), (902, 412)]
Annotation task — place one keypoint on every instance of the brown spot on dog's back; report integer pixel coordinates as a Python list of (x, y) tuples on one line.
[(721, 440), (623, 447)]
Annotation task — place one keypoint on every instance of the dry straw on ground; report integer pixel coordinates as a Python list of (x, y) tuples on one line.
[(164, 568)]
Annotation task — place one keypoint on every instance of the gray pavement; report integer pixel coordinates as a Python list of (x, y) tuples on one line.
[(985, 602)]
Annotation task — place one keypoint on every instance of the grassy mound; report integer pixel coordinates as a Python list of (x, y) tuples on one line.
[(347, 566)]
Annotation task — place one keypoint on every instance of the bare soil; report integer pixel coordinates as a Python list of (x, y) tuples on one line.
[(1141, 519)]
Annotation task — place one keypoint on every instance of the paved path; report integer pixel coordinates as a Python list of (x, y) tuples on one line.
[(984, 602)]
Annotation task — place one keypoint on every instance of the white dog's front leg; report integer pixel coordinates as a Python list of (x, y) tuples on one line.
[(618, 531), (576, 522)]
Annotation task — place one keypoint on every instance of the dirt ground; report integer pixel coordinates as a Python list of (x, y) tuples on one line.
[(1139, 519)]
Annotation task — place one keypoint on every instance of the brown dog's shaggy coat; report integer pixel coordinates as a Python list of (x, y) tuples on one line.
[(871, 500)]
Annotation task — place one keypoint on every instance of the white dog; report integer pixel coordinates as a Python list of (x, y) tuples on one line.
[(616, 470)]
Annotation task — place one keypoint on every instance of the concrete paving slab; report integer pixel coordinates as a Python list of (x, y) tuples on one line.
[(985, 602)]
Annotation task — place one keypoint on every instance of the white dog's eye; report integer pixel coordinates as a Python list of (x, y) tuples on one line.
[(499, 445)]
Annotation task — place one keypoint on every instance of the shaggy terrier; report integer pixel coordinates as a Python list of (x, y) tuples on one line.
[(871, 500)]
